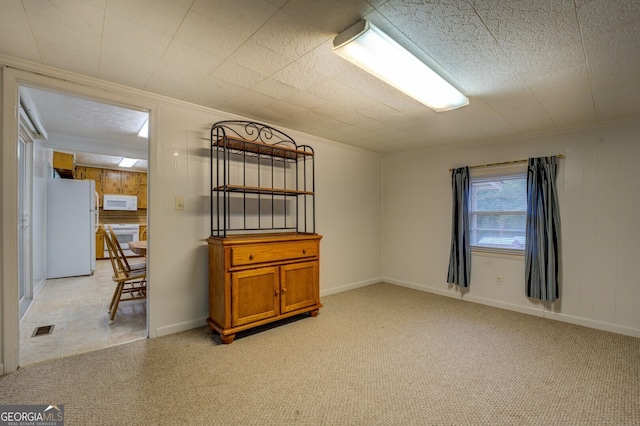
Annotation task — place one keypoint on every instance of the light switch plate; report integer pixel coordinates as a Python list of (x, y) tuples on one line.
[(179, 202)]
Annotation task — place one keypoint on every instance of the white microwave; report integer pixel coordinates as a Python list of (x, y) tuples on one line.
[(120, 202)]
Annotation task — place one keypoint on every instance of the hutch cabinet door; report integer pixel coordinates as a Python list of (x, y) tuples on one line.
[(254, 295), (299, 286)]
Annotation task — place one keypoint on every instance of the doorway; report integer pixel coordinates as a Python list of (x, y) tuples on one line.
[(73, 310)]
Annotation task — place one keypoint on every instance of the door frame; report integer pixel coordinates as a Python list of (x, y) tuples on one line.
[(12, 78), (25, 207)]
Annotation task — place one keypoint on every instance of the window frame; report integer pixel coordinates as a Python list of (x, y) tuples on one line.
[(485, 174)]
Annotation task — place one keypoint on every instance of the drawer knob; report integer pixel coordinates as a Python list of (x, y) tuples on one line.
[(304, 251), (251, 256)]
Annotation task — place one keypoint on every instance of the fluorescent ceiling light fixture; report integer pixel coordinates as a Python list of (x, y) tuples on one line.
[(127, 162), (144, 130), (368, 47)]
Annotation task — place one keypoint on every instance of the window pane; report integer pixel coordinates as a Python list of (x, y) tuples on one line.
[(498, 212), (500, 195), (498, 230)]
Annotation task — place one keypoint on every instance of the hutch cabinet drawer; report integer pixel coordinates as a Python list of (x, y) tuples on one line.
[(255, 254)]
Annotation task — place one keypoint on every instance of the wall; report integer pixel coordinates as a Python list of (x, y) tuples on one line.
[(599, 204), (348, 188), (348, 194)]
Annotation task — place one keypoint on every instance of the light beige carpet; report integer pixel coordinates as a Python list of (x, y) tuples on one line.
[(379, 355)]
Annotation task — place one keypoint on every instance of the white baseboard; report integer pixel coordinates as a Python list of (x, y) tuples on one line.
[(348, 287), (538, 312), (455, 294), (38, 286), (182, 326), (598, 325)]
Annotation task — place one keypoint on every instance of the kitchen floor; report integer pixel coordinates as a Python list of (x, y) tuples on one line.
[(77, 309)]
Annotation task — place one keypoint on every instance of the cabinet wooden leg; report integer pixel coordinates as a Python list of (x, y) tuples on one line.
[(314, 313), (227, 340)]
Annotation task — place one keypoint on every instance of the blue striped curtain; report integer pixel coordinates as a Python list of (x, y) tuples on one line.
[(460, 256), (542, 247)]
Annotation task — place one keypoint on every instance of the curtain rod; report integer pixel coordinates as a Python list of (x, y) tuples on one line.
[(504, 162)]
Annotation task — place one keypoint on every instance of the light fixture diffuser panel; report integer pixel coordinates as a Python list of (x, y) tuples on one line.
[(366, 46), (127, 162), (144, 130)]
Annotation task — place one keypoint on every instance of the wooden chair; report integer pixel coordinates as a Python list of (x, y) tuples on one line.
[(129, 267), (131, 284), (143, 237)]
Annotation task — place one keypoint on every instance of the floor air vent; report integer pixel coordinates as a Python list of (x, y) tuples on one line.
[(42, 331)]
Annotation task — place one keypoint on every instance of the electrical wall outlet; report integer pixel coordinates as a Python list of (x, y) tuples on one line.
[(499, 280)]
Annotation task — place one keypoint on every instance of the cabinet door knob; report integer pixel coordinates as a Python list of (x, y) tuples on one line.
[(277, 292), (284, 290)]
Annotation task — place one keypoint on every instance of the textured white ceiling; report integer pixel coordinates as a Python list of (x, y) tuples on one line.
[(527, 66), (98, 133)]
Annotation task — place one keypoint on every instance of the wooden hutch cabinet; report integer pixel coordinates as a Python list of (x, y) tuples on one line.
[(264, 254), (254, 280)]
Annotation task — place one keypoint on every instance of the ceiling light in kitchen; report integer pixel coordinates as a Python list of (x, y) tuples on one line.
[(127, 162)]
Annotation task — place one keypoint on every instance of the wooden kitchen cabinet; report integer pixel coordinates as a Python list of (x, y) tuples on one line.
[(129, 183), (126, 183), (258, 279), (63, 164), (142, 190), (111, 182), (120, 182), (94, 174), (62, 160)]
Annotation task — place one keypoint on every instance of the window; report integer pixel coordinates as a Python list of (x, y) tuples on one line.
[(498, 208)]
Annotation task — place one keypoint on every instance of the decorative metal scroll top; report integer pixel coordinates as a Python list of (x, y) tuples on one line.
[(251, 131), (274, 193)]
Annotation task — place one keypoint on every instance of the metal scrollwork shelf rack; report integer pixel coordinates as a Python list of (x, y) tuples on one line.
[(261, 180)]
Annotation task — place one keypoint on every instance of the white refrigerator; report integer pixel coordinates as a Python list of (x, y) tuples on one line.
[(72, 219)]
